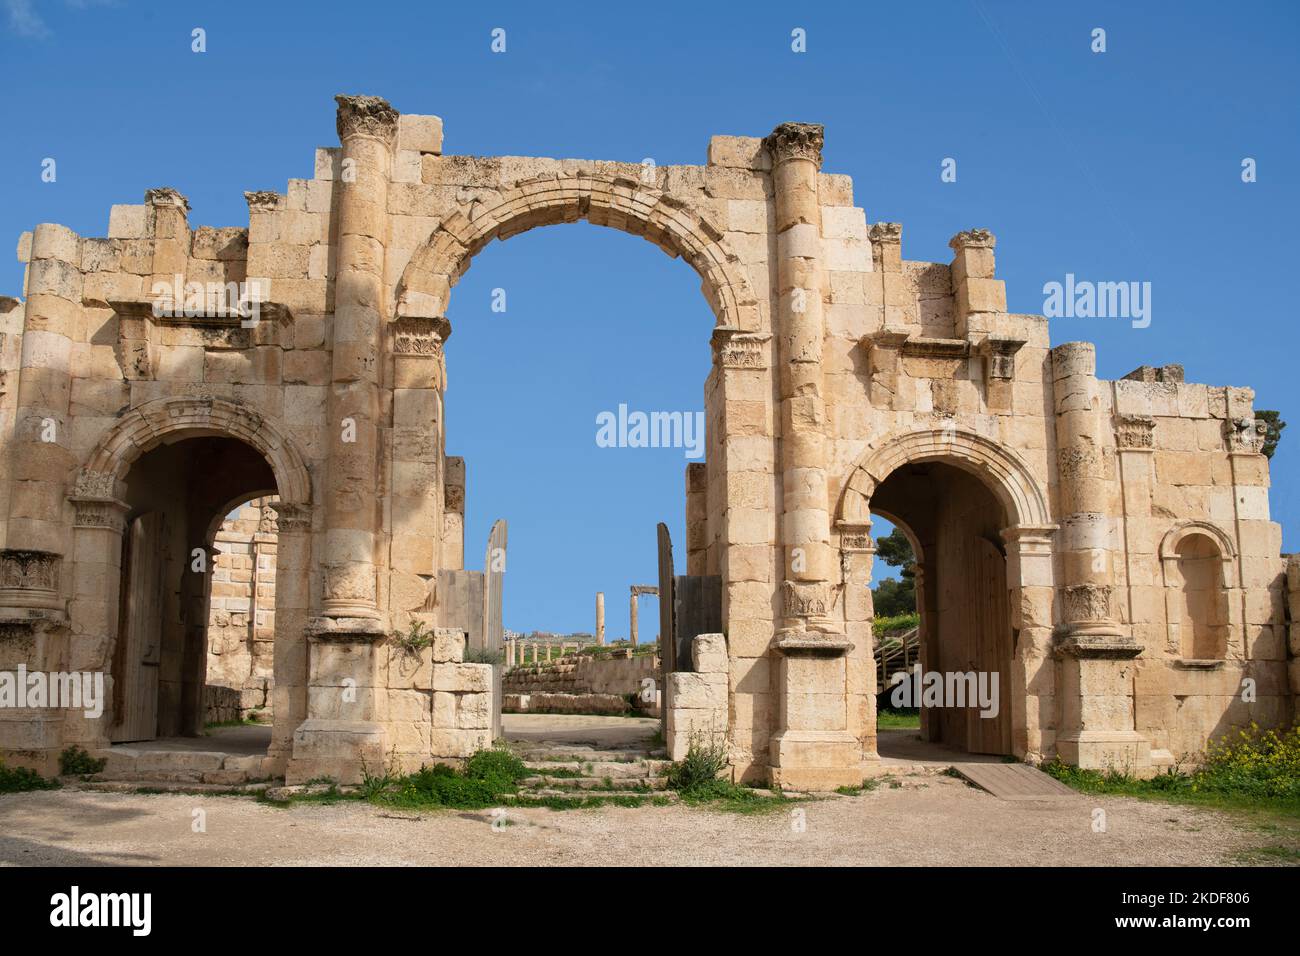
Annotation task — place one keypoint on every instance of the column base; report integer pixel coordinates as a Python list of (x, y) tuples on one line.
[(1121, 750), (816, 760), (340, 750)]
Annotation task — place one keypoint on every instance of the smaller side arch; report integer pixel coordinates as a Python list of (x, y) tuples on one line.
[(1175, 535), (145, 427), (1005, 472)]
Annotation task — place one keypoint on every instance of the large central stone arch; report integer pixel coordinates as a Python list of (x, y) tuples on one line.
[(614, 201)]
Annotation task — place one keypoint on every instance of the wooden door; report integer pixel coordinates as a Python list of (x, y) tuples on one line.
[(991, 645), (141, 630)]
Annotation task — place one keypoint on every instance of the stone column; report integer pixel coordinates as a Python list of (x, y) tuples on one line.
[(632, 618), (292, 613), (600, 618), (40, 456), (1095, 652), (344, 729), (813, 747), (805, 517), (367, 128)]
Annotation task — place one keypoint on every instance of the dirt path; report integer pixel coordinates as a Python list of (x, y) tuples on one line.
[(929, 820)]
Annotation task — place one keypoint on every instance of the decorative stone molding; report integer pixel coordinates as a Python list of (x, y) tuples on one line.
[(93, 484), (807, 600), (886, 232), (1000, 357), (262, 200), (366, 116), (972, 239), (166, 196), (1244, 436), (291, 518), (855, 537), (1087, 603), (419, 336), (796, 141), (29, 570), (1135, 433), (740, 350), (105, 513)]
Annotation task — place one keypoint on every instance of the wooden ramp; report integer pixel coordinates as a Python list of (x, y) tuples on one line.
[(1013, 781)]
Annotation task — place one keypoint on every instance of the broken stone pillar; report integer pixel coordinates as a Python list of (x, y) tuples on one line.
[(813, 747), (1095, 652), (600, 618), (632, 617)]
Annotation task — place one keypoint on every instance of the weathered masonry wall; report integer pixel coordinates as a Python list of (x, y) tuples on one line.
[(1134, 581)]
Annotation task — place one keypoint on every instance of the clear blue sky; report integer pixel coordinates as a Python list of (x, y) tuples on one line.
[(1115, 166)]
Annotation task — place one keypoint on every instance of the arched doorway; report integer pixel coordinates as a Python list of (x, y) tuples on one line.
[(174, 493), (150, 495), (965, 637), (980, 522)]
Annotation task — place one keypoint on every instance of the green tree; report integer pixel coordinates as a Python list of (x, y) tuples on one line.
[(892, 597)]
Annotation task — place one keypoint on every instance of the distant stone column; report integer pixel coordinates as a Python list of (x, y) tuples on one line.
[(632, 617), (600, 618)]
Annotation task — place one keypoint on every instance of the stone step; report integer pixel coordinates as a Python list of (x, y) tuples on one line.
[(166, 786), (593, 768), (543, 792), (594, 783), (572, 754)]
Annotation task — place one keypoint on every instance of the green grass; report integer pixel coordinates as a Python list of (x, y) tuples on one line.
[(871, 783), (898, 720), (220, 724)]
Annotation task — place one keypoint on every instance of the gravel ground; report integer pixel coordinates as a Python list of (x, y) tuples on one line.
[(928, 820)]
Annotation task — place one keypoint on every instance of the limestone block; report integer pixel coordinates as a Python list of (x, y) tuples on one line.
[(709, 654), (127, 222), (421, 134), (449, 647), (463, 678), (458, 744), (686, 690), (739, 152)]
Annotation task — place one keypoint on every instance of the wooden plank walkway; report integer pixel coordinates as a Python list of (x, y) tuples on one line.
[(1014, 781)]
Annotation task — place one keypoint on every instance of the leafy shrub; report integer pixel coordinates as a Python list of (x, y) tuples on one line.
[(488, 775), (1254, 765), (697, 772), (76, 762), (895, 624), (20, 780)]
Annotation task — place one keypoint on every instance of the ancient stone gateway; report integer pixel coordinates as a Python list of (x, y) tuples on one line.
[(1103, 547)]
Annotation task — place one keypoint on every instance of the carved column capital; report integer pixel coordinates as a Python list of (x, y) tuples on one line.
[(740, 350), (796, 141), (366, 116), (972, 239), (1135, 432)]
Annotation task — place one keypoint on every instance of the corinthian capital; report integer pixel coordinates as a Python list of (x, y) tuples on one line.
[(796, 141), (366, 116)]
